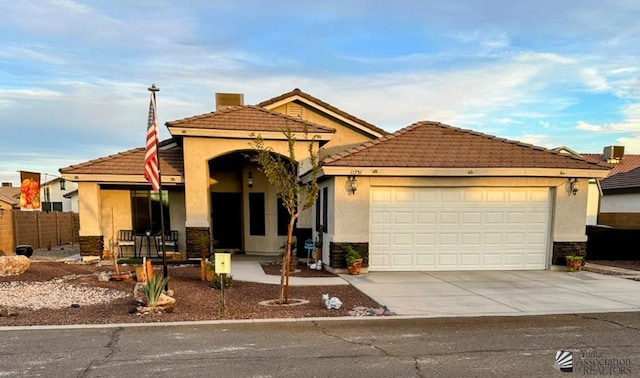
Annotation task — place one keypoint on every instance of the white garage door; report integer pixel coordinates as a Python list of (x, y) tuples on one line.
[(458, 228)]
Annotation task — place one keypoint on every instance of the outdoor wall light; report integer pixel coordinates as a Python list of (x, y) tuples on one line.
[(63, 184), (574, 186), (352, 184), (250, 180)]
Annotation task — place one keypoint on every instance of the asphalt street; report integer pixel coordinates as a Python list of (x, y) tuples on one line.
[(522, 346)]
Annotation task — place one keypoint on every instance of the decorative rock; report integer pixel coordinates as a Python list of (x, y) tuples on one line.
[(90, 259), (165, 301), (103, 277), (366, 311), (13, 265), (6, 312), (139, 294)]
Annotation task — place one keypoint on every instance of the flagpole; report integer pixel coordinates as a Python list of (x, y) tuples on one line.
[(153, 89)]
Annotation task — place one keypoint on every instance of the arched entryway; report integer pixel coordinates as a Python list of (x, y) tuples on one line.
[(246, 214)]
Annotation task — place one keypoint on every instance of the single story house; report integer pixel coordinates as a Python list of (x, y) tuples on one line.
[(427, 197), (618, 204)]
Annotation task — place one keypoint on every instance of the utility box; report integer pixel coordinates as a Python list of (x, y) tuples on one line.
[(223, 263)]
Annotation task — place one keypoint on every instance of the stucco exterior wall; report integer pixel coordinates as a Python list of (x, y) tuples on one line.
[(178, 216), (89, 204), (115, 213), (593, 203), (343, 138)]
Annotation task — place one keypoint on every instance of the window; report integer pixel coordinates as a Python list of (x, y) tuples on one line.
[(318, 214), (325, 208), (283, 218), (51, 206), (146, 209), (322, 210), (256, 214)]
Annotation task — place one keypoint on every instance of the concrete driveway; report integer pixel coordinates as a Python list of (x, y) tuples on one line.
[(486, 293)]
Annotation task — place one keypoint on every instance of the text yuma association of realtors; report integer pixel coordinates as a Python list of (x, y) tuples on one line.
[(592, 362)]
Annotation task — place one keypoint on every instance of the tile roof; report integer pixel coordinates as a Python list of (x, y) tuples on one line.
[(624, 175), (317, 101), (435, 145), (10, 195), (131, 162), (250, 118)]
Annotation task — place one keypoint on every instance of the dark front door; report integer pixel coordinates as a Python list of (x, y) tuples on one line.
[(226, 220)]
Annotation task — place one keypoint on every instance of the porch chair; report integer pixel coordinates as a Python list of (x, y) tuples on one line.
[(126, 238), (170, 241)]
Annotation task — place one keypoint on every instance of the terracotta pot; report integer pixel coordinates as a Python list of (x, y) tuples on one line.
[(574, 263), (354, 268)]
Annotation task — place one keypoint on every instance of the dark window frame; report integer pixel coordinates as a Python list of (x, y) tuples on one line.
[(257, 222), (145, 217)]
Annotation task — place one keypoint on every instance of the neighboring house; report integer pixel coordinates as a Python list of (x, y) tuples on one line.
[(9, 197), (53, 195), (427, 197), (73, 199), (619, 204)]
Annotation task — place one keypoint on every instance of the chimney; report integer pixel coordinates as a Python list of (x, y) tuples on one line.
[(225, 100), (613, 154), (7, 185)]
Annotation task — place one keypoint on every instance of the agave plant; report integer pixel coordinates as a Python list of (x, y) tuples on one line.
[(154, 287)]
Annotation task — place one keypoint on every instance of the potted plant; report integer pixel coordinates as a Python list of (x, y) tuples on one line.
[(574, 263), (354, 260)]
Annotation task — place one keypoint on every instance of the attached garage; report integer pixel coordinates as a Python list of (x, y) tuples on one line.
[(459, 228)]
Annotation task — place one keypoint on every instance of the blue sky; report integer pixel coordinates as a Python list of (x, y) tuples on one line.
[(74, 74)]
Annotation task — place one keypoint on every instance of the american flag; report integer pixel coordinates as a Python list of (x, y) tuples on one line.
[(151, 169)]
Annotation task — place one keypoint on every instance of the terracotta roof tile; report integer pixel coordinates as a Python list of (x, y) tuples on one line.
[(10, 195), (132, 162), (624, 175), (250, 118), (323, 104), (435, 145)]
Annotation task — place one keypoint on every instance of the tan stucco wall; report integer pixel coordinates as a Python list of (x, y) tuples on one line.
[(89, 205), (593, 203), (115, 214), (344, 137), (178, 216), (349, 220)]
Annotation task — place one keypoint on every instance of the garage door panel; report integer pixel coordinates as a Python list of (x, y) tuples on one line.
[(403, 217), (472, 217), (470, 259), (402, 260), (426, 217), (449, 217), (516, 217), (425, 260), (496, 217), (471, 239), (459, 228), (403, 239), (449, 239), (425, 238)]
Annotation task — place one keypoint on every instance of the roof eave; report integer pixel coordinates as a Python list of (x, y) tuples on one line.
[(462, 172), (245, 134), (169, 180)]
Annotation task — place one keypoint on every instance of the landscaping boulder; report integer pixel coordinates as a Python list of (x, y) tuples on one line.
[(13, 265)]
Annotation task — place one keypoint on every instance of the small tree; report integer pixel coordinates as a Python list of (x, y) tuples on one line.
[(296, 196)]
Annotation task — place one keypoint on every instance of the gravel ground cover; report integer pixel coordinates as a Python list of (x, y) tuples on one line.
[(52, 293)]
